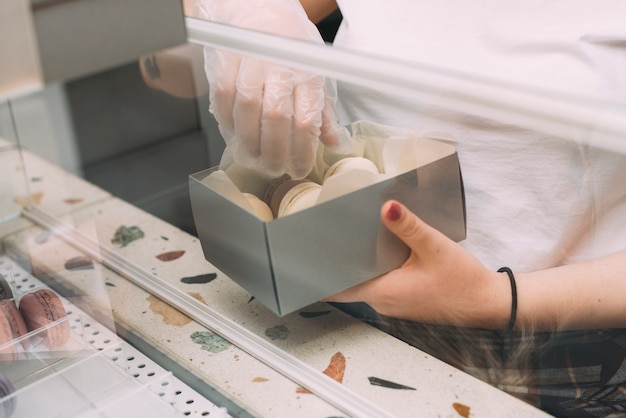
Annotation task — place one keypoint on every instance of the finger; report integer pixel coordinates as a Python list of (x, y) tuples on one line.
[(221, 68), (415, 233), (276, 121), (332, 134), (328, 134), (247, 111), (307, 121)]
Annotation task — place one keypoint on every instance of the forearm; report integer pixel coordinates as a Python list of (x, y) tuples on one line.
[(317, 10), (177, 71), (442, 283), (591, 294)]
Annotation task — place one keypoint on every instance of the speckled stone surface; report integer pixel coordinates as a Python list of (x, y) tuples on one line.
[(175, 257), (28, 179), (222, 365)]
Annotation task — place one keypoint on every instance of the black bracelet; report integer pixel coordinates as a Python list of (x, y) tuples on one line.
[(511, 323)]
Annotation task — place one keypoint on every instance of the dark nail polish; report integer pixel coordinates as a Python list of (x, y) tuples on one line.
[(394, 212)]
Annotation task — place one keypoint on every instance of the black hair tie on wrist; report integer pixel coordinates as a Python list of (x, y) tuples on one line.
[(511, 323)]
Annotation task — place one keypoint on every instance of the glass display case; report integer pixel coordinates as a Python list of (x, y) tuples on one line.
[(96, 210)]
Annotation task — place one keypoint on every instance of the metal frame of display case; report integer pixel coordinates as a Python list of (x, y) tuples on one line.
[(569, 117)]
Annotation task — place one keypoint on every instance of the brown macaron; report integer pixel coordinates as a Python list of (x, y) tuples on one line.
[(42, 307), (16, 321), (277, 191)]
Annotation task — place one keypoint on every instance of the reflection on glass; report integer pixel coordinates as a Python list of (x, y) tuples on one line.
[(535, 117), (537, 120)]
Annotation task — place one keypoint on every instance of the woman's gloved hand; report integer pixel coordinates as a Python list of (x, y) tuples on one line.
[(272, 117)]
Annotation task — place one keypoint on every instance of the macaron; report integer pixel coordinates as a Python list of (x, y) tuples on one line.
[(16, 321), (247, 179), (299, 197), (6, 336), (5, 289), (349, 164), (7, 406), (277, 191), (259, 207), (41, 307)]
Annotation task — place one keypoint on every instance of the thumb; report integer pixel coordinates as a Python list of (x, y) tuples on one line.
[(415, 233)]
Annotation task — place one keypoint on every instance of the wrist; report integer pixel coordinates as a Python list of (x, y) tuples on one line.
[(512, 316), (494, 308)]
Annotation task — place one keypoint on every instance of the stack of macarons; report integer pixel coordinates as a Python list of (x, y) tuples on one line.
[(286, 196), (37, 309), (12, 324)]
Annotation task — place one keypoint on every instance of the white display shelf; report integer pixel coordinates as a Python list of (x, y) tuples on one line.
[(95, 373)]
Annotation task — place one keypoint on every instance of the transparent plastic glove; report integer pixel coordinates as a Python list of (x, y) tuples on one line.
[(272, 117)]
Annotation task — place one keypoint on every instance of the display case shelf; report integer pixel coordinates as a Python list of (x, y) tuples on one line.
[(95, 372)]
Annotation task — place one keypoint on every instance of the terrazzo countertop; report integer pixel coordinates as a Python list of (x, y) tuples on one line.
[(353, 353), (26, 177)]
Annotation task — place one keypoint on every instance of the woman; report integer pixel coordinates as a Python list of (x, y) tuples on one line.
[(551, 210)]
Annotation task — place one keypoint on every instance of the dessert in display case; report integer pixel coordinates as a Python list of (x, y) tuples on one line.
[(119, 298), (60, 338)]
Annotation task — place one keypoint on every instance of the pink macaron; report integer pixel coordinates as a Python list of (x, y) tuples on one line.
[(6, 336), (16, 322), (42, 307)]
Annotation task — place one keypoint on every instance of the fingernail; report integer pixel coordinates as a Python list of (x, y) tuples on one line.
[(394, 212)]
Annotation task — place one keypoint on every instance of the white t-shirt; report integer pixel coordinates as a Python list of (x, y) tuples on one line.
[(533, 200)]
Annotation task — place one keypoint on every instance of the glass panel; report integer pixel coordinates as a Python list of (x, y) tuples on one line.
[(13, 180), (542, 166), (96, 170)]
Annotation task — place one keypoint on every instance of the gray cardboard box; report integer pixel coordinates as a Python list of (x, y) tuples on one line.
[(294, 261)]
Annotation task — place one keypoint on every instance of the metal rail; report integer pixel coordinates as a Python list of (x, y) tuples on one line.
[(594, 123)]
